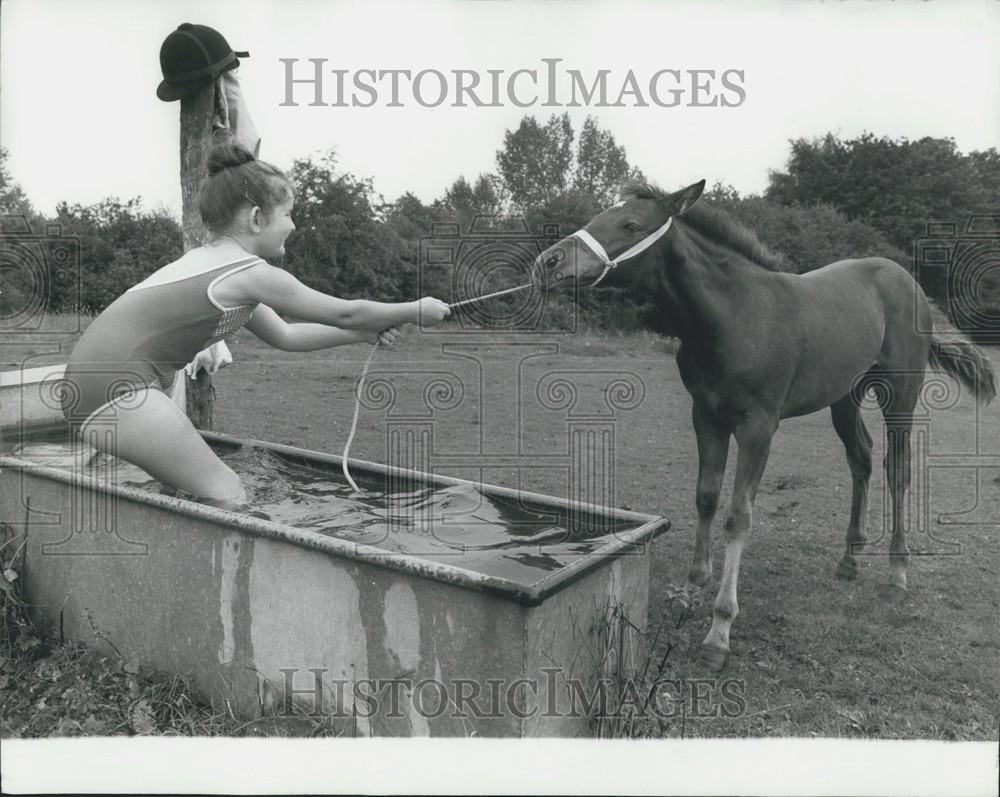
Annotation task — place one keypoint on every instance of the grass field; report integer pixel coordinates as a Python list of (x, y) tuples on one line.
[(816, 656)]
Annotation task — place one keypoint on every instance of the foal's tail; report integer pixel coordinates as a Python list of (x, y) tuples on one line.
[(968, 364)]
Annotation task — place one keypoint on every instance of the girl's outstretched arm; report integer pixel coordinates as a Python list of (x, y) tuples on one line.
[(277, 288), (275, 331)]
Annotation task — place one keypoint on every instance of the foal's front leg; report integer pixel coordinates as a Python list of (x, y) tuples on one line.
[(713, 450), (754, 441)]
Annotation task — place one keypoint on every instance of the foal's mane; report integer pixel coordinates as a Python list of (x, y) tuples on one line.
[(715, 224)]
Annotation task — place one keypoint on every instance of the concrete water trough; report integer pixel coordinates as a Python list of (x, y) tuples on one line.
[(266, 617)]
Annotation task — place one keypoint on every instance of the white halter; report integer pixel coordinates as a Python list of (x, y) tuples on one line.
[(595, 246)]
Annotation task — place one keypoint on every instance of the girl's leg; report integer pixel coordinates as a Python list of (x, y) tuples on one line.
[(151, 431)]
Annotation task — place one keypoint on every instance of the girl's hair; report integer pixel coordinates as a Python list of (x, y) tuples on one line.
[(236, 179)]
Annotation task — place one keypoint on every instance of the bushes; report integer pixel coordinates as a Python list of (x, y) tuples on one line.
[(835, 200), (350, 244), (902, 187), (121, 244), (896, 186), (811, 237)]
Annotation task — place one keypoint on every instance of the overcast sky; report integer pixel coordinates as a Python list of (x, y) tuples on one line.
[(81, 120)]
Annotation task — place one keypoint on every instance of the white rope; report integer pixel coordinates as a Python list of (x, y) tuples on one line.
[(354, 421), (489, 296), (364, 373)]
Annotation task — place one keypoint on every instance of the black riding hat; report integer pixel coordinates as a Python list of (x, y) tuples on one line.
[(191, 57)]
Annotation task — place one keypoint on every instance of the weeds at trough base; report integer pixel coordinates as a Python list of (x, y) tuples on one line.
[(629, 662), (53, 687)]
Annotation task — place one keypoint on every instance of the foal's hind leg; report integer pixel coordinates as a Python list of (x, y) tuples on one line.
[(898, 414), (850, 427), (713, 450)]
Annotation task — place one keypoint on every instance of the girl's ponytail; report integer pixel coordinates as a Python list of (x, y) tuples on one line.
[(227, 156), (236, 179)]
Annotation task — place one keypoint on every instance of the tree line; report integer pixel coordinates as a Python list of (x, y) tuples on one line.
[(834, 198)]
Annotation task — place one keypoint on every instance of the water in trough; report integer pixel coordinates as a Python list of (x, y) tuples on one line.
[(502, 536)]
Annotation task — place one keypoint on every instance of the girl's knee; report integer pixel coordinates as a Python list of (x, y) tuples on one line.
[(227, 492)]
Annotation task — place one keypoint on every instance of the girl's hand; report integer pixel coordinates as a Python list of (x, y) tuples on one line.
[(432, 311), (386, 338)]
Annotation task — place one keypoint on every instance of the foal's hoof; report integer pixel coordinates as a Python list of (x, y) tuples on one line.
[(697, 580), (898, 580), (847, 569), (713, 658)]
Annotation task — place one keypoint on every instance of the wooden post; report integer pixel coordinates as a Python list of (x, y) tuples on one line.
[(197, 114)]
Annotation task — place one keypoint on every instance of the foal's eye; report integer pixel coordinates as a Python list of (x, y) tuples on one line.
[(631, 226)]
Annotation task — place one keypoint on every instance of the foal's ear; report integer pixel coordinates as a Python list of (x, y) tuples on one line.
[(679, 202)]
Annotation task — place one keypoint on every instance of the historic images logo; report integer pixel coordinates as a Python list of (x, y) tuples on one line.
[(551, 696), (311, 81)]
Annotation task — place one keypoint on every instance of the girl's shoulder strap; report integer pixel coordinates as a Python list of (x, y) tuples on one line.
[(197, 262)]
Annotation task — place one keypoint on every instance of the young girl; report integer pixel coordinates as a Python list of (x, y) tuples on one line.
[(118, 377)]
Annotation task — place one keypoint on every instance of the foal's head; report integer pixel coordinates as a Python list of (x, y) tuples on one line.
[(639, 216)]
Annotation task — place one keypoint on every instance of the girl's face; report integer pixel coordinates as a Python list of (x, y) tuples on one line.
[(272, 229)]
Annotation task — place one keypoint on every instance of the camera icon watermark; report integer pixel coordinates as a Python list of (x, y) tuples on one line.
[(39, 275), (962, 267), (495, 254)]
